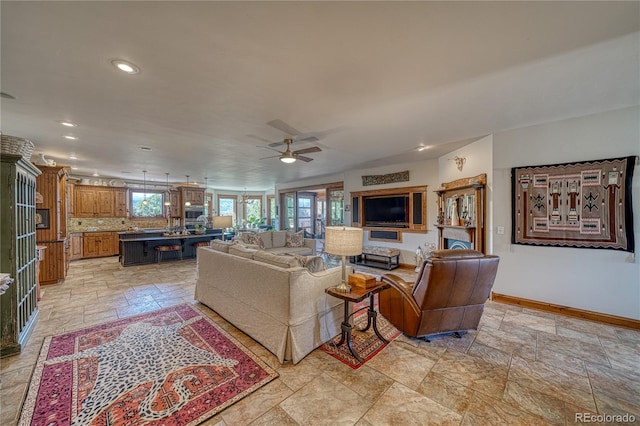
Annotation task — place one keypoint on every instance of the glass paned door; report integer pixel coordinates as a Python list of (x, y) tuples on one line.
[(289, 211), (306, 208), (336, 208)]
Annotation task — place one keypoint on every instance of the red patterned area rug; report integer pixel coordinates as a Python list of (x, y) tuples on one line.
[(169, 367), (365, 343)]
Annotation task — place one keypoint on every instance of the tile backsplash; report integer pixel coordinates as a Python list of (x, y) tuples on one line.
[(81, 224)]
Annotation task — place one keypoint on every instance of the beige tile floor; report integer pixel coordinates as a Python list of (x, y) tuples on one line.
[(521, 366)]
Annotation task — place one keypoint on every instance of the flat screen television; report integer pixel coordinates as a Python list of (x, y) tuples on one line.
[(387, 211)]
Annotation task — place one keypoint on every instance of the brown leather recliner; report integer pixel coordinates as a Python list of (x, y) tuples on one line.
[(448, 295)]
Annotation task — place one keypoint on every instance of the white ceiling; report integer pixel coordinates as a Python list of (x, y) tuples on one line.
[(380, 77)]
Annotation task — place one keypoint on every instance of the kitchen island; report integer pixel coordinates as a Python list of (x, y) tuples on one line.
[(138, 248)]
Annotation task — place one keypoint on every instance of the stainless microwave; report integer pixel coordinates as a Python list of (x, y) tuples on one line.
[(192, 213)]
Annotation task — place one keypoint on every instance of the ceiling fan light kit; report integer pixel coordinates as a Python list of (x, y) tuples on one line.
[(287, 158)]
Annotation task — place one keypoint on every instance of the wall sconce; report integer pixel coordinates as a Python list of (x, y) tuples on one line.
[(459, 161)]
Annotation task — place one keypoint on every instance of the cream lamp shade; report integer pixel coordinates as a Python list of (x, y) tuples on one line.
[(343, 241), (222, 221)]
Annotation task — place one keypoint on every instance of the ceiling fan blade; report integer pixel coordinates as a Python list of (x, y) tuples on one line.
[(307, 150), (259, 138), (310, 138), (281, 125), (303, 158), (272, 156), (267, 147)]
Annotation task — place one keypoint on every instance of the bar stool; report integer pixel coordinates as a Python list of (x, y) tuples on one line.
[(164, 249), (201, 244)]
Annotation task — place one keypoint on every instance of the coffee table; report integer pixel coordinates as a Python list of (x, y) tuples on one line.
[(358, 295)]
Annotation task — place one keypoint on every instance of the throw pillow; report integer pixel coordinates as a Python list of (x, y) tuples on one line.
[(246, 236), (295, 239), (312, 263), (256, 239)]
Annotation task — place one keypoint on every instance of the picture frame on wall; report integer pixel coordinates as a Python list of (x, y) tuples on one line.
[(42, 218)]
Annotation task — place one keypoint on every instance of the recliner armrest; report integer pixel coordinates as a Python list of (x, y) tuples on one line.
[(404, 288)]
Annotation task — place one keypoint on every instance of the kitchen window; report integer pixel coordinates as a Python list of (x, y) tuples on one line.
[(153, 206)]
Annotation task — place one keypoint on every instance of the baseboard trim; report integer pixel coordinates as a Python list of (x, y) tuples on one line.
[(565, 310)]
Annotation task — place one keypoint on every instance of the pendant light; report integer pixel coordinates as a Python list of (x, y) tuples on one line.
[(144, 186), (187, 203), (167, 201)]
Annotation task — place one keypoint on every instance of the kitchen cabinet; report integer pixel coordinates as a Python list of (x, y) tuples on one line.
[(120, 209), (75, 251), (176, 204), (52, 231), (93, 201), (98, 244), (193, 195), (69, 189)]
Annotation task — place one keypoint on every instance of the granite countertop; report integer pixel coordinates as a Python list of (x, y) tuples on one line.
[(97, 230)]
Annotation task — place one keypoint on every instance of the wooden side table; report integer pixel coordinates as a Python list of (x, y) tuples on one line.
[(358, 295)]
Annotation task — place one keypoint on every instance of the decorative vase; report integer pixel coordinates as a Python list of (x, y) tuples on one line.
[(419, 258), (455, 219)]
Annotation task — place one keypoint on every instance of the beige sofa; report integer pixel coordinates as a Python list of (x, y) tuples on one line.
[(284, 308)]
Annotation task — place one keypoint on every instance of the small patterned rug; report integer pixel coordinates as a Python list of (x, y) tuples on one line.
[(365, 343), (170, 367)]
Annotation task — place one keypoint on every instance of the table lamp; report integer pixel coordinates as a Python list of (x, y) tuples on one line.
[(343, 241), (223, 222)]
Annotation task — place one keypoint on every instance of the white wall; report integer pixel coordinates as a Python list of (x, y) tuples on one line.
[(605, 281)]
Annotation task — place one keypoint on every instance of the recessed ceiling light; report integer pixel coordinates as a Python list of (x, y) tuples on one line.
[(423, 147), (68, 124), (6, 95), (73, 157), (74, 168), (145, 148), (73, 138), (96, 174), (125, 66)]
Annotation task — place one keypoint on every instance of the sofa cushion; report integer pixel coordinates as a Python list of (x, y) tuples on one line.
[(243, 250), (292, 250), (220, 245), (279, 238), (266, 239), (312, 263), (283, 261), (295, 239)]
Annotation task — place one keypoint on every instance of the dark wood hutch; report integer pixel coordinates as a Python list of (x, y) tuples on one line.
[(461, 213)]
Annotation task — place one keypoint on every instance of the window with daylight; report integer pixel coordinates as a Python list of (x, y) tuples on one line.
[(227, 206), (252, 210), (153, 206)]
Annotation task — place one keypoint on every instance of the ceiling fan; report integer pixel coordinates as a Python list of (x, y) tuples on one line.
[(288, 156), (293, 135)]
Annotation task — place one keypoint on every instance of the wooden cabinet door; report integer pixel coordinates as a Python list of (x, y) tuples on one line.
[(70, 200), (198, 197), (76, 246), (90, 245), (115, 244), (105, 203), (85, 202), (120, 209), (105, 245), (176, 203)]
